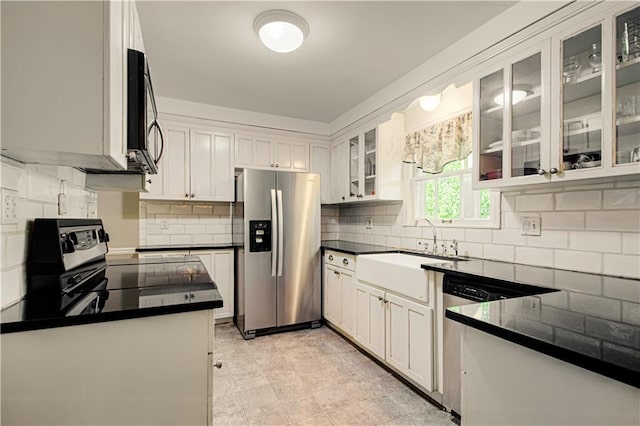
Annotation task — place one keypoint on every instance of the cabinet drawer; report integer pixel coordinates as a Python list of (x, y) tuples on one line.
[(342, 260)]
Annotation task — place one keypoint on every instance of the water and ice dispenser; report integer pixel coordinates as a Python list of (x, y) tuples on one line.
[(259, 235)]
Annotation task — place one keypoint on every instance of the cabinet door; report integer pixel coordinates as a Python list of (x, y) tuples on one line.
[(300, 157), (369, 162), (347, 295), (244, 152), (211, 166), (332, 295), (219, 265), (262, 153), (173, 173), (370, 318), (282, 155), (339, 172), (355, 190), (627, 92), (321, 164), (409, 339)]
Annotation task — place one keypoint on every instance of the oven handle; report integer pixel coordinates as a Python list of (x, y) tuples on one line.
[(82, 304), (78, 283)]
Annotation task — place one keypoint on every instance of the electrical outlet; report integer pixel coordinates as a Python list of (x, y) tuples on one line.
[(368, 223), (531, 304), (530, 226), (164, 224), (9, 206)]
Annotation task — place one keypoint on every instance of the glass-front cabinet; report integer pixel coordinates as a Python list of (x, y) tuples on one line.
[(362, 165), (627, 88), (510, 129)]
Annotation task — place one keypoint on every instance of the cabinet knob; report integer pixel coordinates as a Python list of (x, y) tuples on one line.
[(343, 198), (191, 296), (330, 257), (193, 195), (336, 272), (542, 172), (186, 297), (277, 165), (272, 164), (186, 195), (553, 170), (148, 180), (345, 261), (380, 298), (218, 364), (386, 301)]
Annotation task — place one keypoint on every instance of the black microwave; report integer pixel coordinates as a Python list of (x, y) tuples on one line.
[(145, 140)]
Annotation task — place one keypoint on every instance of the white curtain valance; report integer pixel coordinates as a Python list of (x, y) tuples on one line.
[(434, 146)]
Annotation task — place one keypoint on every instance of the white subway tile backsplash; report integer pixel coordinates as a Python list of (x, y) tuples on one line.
[(508, 203), (216, 229), (508, 236), (579, 200), (596, 241), (622, 265), (593, 305), (202, 210), (631, 313), (578, 261), (222, 210), (619, 288), (181, 239), (535, 203), (620, 199), (499, 252), (180, 209), (562, 220), (380, 240), (222, 239), (549, 239), (13, 285), (534, 256), (155, 208), (623, 220), (174, 230), (478, 235), (470, 249), (631, 243), (195, 229), (153, 240), (511, 220)]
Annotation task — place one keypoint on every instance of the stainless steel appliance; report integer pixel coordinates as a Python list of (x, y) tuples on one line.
[(465, 290), (276, 219)]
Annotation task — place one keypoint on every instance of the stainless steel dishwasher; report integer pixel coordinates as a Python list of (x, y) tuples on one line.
[(459, 290)]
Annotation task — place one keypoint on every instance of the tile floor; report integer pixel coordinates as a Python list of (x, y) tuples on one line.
[(309, 377)]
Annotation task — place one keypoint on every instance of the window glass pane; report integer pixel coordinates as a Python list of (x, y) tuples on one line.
[(449, 198), (430, 199), (452, 166), (485, 206)]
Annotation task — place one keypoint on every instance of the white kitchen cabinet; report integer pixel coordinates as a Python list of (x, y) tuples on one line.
[(339, 290), (69, 106), (370, 318), (320, 162), (409, 339), (264, 153), (219, 265), (368, 163), (579, 118), (197, 165)]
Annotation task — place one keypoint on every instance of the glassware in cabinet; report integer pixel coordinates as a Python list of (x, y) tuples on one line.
[(627, 88), (582, 101), (370, 150)]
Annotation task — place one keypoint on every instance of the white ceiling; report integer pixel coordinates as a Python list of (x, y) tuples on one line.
[(207, 51)]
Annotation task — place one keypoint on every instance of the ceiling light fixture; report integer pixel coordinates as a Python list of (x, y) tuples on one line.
[(280, 30), (429, 103), (516, 96)]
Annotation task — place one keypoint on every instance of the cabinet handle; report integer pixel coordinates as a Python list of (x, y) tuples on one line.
[(380, 298), (386, 301), (330, 257), (218, 364), (277, 165), (186, 195), (345, 261), (193, 195), (553, 170), (148, 180), (186, 297), (191, 296), (542, 172), (336, 272)]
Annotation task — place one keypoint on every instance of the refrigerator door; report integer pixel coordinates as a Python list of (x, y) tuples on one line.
[(259, 282), (298, 269)]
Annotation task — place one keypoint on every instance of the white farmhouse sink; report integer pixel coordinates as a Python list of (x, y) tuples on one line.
[(397, 272)]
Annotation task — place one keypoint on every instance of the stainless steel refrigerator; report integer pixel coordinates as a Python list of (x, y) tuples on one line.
[(276, 224)]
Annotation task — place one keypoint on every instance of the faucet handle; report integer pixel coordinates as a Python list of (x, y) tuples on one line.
[(454, 246)]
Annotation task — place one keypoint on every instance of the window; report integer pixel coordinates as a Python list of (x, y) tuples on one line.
[(447, 197)]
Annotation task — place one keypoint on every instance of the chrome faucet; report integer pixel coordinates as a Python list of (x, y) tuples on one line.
[(433, 230)]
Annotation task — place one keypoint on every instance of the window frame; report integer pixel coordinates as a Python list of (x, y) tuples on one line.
[(417, 184)]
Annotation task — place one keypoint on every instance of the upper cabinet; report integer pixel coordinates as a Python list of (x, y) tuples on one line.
[(265, 153), (567, 109), (64, 82), (197, 165), (320, 158), (363, 164)]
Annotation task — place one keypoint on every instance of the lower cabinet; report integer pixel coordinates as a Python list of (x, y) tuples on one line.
[(338, 297), (397, 330), (219, 264)]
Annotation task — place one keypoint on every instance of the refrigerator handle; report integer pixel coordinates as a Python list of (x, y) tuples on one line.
[(280, 233), (274, 252)]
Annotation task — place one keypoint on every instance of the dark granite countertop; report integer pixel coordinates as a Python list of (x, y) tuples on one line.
[(209, 246), (355, 248), (592, 321), (131, 288)]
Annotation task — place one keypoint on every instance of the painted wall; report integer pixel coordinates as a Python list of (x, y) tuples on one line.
[(37, 190), (589, 227), (173, 223), (119, 213)]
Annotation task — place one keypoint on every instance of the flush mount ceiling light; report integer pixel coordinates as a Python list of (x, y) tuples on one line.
[(429, 103), (280, 30), (517, 94)]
